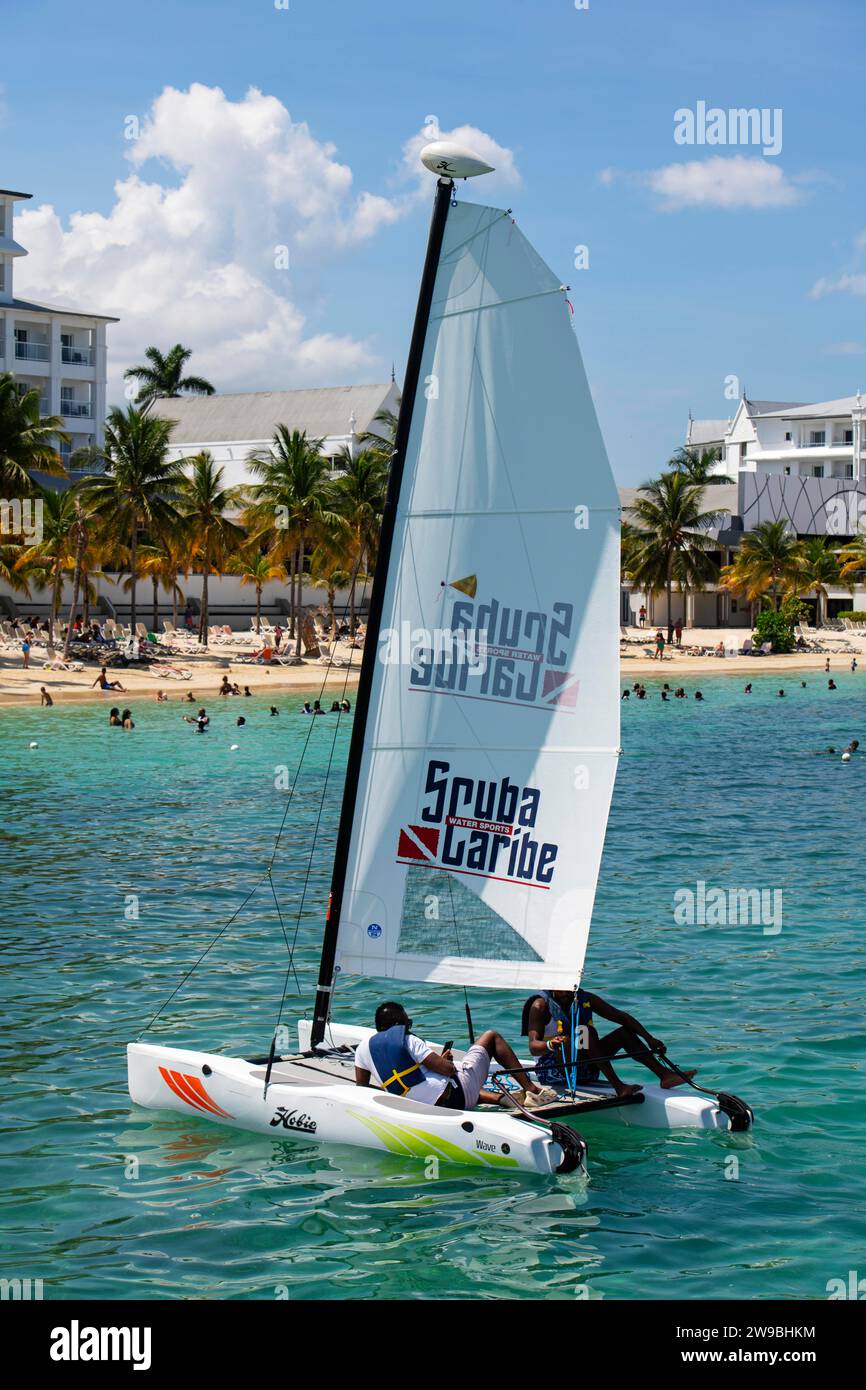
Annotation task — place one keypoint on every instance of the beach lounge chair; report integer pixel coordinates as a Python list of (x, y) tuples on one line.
[(746, 648)]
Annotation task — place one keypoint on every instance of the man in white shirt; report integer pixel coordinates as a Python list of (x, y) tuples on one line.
[(401, 1064)]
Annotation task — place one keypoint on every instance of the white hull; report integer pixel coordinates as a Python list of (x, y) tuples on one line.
[(315, 1099), (230, 1091)]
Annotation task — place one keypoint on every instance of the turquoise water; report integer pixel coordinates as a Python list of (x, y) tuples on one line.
[(730, 793)]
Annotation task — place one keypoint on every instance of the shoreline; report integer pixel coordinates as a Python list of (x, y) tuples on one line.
[(20, 688)]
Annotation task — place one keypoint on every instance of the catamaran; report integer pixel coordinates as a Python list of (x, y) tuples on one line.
[(486, 733)]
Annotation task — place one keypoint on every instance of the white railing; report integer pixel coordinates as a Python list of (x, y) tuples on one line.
[(74, 409), (33, 352), (77, 356)]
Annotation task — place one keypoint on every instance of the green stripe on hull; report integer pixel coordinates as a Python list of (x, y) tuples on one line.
[(420, 1142)]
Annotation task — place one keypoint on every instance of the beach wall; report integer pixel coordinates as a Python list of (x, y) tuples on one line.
[(228, 600)]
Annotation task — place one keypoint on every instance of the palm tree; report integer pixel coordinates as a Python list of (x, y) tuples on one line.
[(670, 539), (698, 465), (56, 551), (204, 503), (164, 377), (27, 440), (852, 559), (255, 566), (381, 441), (293, 498), (140, 486), (817, 566), (767, 559), (360, 499)]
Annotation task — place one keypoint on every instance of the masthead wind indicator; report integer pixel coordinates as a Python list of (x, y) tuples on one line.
[(453, 161)]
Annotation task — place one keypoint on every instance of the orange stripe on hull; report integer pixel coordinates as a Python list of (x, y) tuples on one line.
[(190, 1090)]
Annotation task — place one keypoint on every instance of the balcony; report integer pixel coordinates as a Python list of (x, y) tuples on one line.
[(76, 356), (76, 410), (32, 352)]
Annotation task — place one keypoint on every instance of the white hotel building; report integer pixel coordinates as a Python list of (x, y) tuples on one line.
[(61, 352)]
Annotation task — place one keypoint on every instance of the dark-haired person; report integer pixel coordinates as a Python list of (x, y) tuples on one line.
[(403, 1065), (548, 1025), (114, 719), (126, 719), (105, 684)]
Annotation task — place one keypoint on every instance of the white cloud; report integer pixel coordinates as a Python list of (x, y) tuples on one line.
[(839, 284), (187, 251), (739, 181), (849, 349)]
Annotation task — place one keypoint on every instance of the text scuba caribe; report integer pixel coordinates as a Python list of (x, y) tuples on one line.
[(487, 825)]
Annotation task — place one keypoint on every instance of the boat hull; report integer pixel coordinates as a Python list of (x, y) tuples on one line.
[(231, 1091)]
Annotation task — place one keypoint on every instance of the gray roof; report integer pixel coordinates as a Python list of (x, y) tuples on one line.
[(843, 406), (770, 407), (701, 432), (254, 415), (32, 306)]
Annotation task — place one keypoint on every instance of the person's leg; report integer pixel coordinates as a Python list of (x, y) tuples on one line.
[(623, 1039), (495, 1046)]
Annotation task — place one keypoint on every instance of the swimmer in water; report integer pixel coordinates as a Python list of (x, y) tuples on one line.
[(626, 695), (161, 697), (274, 710), (126, 719), (201, 721), (240, 721), (308, 709), (831, 685), (748, 689), (114, 718), (781, 694), (698, 695), (344, 706)]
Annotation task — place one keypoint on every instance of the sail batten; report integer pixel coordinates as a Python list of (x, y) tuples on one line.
[(480, 811)]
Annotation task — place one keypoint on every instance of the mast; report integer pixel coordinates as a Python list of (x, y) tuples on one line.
[(322, 1006)]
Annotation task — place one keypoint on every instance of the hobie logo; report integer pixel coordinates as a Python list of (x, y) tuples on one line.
[(521, 655), (77, 1343), (470, 826)]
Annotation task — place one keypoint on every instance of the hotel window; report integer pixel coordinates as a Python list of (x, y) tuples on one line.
[(847, 436), (787, 470), (816, 438), (787, 436), (817, 470), (848, 470)]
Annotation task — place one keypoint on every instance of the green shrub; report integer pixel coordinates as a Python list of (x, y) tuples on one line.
[(853, 615), (777, 626)]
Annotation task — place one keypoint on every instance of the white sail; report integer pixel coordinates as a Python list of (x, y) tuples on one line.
[(489, 758)]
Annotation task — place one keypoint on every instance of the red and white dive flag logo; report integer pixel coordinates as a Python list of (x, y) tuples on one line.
[(487, 829)]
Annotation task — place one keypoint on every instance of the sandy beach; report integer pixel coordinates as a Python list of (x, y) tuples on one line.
[(20, 687)]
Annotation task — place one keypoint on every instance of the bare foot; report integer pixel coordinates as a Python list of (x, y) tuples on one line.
[(675, 1078), (627, 1090)]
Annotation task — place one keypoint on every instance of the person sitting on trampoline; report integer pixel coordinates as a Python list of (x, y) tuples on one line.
[(551, 1016)]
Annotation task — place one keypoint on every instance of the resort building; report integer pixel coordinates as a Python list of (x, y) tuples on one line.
[(232, 426), (780, 461), (59, 351)]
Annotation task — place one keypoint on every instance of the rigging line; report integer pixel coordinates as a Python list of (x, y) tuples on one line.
[(208, 948), (265, 875), (500, 304), (291, 967), (460, 955)]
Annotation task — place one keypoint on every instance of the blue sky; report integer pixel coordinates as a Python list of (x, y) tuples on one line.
[(756, 270)]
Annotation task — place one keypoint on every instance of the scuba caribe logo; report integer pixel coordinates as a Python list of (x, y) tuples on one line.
[(522, 659), (480, 828)]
